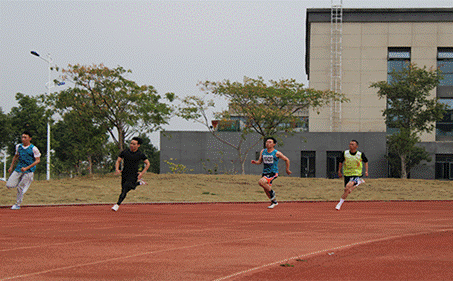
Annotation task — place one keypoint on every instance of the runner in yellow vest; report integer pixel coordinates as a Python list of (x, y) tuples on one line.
[(351, 164)]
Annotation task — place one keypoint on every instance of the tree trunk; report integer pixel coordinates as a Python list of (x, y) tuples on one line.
[(243, 166), (90, 165), (120, 138), (403, 167)]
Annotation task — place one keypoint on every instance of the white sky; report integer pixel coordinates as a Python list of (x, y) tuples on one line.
[(169, 45)]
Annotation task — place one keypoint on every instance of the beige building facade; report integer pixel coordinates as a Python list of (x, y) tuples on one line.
[(367, 37)]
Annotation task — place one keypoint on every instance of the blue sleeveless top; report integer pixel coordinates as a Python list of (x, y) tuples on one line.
[(270, 161), (26, 158)]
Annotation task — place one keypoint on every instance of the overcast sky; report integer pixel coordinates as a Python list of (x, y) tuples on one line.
[(169, 45)]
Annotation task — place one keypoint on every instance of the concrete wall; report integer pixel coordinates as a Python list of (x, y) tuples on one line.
[(193, 149), (427, 170)]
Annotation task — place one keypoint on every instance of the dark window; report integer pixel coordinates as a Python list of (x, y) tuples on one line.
[(333, 163), (307, 164), (444, 166)]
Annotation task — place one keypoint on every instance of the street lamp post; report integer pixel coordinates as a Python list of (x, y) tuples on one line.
[(48, 86), (4, 165)]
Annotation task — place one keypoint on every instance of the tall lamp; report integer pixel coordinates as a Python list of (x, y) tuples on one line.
[(48, 86)]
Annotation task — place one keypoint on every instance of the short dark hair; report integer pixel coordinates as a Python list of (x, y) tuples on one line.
[(139, 140), (271, 138), (26, 132), (355, 142)]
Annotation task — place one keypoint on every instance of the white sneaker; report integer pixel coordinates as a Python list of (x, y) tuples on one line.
[(142, 182), (115, 207), (15, 207), (338, 206), (272, 205)]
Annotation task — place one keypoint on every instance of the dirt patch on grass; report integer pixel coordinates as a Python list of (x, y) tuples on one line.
[(222, 188)]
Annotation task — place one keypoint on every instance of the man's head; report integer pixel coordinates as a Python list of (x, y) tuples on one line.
[(26, 138), (270, 142), (353, 145), (135, 144)]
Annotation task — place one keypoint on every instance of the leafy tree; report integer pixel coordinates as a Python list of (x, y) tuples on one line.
[(270, 109), (112, 101), (400, 143), (152, 153), (266, 109), (30, 115), (409, 109), (77, 141), (5, 129)]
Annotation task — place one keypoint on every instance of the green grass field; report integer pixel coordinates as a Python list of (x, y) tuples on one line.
[(221, 188)]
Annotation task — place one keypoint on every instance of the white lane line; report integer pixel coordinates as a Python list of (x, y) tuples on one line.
[(135, 255), (329, 250)]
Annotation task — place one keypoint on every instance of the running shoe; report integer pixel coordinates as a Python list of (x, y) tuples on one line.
[(272, 205), (338, 206), (15, 207), (142, 182), (115, 207)]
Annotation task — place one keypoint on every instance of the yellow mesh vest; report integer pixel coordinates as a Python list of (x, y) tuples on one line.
[(352, 165)]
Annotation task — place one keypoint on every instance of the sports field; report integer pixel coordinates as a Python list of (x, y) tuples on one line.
[(383, 235), (222, 188)]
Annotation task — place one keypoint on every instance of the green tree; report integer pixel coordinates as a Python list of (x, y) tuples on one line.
[(5, 129), (266, 109), (397, 144), (33, 116), (112, 101), (79, 142), (152, 153), (270, 109), (410, 110)]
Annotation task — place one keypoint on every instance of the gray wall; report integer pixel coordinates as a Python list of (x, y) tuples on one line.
[(193, 149), (427, 170)]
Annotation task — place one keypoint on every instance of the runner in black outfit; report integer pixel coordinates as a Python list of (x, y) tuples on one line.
[(130, 177)]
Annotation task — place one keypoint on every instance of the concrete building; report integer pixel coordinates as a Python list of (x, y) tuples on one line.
[(346, 51)]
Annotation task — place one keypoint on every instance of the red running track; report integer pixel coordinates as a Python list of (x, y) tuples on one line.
[(363, 241)]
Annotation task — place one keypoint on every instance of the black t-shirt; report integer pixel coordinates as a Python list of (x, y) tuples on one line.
[(341, 158), (130, 162)]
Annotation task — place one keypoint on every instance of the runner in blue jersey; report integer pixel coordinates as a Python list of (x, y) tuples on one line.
[(28, 156), (270, 157)]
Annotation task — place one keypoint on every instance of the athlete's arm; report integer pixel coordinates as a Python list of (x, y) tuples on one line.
[(117, 166), (284, 158), (13, 162), (340, 165), (37, 160), (260, 160), (366, 169), (147, 165)]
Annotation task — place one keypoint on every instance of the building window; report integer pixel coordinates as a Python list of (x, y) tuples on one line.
[(444, 128), (444, 166), (398, 58), (333, 163), (445, 65), (308, 164)]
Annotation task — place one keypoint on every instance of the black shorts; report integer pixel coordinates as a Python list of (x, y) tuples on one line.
[(270, 177), (356, 179), (129, 183)]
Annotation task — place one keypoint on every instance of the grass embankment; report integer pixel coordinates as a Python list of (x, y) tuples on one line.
[(221, 188)]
